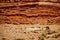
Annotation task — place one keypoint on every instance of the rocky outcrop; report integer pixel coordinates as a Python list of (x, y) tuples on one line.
[(30, 13), (41, 16), (29, 0)]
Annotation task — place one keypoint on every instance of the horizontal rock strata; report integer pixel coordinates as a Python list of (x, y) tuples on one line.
[(29, 0), (30, 14), (42, 14), (31, 10), (29, 3)]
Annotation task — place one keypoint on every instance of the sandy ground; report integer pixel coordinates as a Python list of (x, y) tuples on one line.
[(29, 32)]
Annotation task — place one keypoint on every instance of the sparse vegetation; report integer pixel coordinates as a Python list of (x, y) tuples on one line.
[(47, 27)]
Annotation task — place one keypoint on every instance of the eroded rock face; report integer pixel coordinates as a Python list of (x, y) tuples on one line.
[(29, 12), (32, 14), (29, 0)]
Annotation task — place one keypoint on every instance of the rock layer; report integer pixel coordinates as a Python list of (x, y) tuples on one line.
[(29, 0), (30, 14)]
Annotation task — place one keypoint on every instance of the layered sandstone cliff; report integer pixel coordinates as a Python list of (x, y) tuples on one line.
[(29, 0), (35, 19), (33, 13)]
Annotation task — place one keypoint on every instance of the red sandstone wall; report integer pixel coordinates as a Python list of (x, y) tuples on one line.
[(29, 0), (30, 15)]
